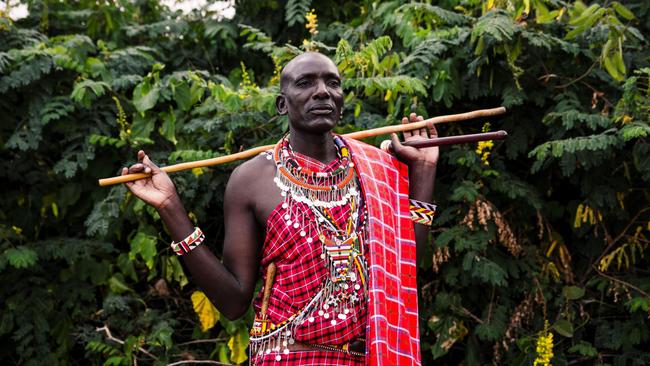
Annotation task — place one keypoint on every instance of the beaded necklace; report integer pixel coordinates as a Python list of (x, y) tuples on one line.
[(341, 245), (320, 189)]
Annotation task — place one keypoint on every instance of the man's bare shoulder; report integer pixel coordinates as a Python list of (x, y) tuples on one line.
[(247, 178)]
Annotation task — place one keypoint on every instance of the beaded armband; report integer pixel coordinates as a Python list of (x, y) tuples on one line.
[(190, 243), (422, 212)]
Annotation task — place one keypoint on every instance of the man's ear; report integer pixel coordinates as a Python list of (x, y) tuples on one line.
[(281, 104)]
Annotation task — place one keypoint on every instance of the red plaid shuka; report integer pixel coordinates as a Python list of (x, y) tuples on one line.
[(389, 322), (393, 336), (299, 276)]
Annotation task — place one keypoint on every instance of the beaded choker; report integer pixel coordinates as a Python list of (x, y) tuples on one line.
[(320, 189)]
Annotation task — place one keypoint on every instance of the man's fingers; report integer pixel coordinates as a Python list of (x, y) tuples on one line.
[(414, 118), (432, 130), (406, 133), (125, 171), (139, 168), (151, 166), (136, 168), (395, 143), (401, 151)]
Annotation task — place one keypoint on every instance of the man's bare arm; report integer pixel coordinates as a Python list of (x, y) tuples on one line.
[(228, 284)]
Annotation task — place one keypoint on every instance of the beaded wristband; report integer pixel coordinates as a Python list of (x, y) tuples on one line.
[(422, 212), (190, 243)]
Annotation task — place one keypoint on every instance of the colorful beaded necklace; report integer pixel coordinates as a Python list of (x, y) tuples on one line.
[(320, 189)]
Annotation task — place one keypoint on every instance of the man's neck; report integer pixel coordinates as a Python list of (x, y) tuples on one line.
[(317, 146)]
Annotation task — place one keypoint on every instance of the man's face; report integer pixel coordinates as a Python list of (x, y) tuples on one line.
[(312, 95)]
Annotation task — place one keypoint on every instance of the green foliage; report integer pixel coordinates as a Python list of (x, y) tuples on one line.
[(295, 11), (552, 225)]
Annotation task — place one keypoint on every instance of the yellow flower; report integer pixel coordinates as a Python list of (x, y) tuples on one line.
[(483, 147), (586, 214), (122, 122), (544, 347), (389, 94), (312, 22), (627, 119)]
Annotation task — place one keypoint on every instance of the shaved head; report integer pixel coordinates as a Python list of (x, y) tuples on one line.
[(289, 70)]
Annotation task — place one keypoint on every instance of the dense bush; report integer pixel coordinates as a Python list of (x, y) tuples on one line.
[(540, 242)]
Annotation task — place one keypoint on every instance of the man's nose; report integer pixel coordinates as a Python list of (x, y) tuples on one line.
[(321, 90)]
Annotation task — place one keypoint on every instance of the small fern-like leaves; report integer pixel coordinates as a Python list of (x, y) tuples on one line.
[(256, 39), (26, 73), (295, 11), (433, 13), (397, 84)]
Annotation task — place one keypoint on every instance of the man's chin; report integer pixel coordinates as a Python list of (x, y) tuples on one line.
[(320, 124), (323, 124)]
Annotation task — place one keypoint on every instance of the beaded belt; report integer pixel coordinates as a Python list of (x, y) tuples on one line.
[(356, 347)]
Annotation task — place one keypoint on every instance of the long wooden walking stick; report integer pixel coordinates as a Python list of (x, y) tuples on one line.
[(386, 145), (354, 135)]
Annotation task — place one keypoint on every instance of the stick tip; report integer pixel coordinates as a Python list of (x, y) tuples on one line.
[(385, 146)]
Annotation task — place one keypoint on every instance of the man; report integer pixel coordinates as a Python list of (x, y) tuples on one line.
[(328, 215)]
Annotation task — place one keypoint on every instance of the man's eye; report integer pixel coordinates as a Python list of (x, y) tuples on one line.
[(302, 83), (334, 83)]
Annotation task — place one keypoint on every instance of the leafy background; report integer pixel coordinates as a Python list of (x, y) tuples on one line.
[(540, 243)]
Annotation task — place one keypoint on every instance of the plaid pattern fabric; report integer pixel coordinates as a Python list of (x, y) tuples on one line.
[(310, 358), (393, 334), (299, 276), (390, 319)]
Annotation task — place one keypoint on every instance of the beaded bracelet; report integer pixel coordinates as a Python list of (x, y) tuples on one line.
[(190, 243), (422, 212)]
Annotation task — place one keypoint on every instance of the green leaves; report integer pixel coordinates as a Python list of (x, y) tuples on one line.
[(87, 91), (492, 28), (484, 269), (295, 11), (622, 10), (585, 20), (584, 348), (564, 328), (573, 292), (145, 95), (612, 56), (21, 257), (144, 246)]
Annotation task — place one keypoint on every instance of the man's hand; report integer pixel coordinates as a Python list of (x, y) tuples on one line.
[(413, 156), (157, 190)]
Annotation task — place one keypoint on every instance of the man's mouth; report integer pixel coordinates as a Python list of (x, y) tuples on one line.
[(321, 110)]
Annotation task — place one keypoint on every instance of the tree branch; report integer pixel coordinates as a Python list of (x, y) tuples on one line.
[(579, 77), (211, 340), (110, 337), (626, 284)]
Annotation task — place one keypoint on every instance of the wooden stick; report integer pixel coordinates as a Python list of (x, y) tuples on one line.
[(270, 277), (386, 145), (427, 123)]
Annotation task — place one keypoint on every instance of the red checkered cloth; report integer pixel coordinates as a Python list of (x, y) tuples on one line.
[(390, 318), (299, 276), (393, 335)]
